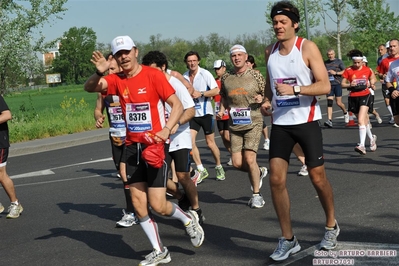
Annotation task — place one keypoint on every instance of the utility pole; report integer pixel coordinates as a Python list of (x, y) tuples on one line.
[(306, 19)]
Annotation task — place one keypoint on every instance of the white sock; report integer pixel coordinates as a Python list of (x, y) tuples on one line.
[(362, 135), (368, 132), (390, 110), (150, 228), (179, 214), (200, 167)]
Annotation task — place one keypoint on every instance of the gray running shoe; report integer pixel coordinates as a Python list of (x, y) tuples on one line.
[(220, 175), (256, 201), (1, 208), (330, 238), (156, 257), (14, 211), (285, 248), (127, 220), (263, 174), (203, 174), (194, 230), (328, 123)]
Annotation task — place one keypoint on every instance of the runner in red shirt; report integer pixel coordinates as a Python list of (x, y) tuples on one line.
[(143, 92), (358, 78)]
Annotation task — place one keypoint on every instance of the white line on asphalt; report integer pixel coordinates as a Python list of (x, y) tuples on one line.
[(37, 173), (60, 180), (88, 162), (50, 172)]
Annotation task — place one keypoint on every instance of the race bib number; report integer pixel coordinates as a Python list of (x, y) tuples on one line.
[(360, 82), (116, 117), (288, 81), (138, 117), (241, 116), (287, 101)]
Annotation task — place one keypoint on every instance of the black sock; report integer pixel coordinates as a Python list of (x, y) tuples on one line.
[(292, 239)]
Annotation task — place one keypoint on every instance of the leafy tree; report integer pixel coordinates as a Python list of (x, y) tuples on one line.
[(372, 24), (19, 23), (76, 48), (218, 44), (313, 18)]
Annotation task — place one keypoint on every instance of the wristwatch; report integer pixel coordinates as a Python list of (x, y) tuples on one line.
[(202, 94), (297, 90)]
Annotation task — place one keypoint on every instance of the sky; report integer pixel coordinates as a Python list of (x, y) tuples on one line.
[(186, 19)]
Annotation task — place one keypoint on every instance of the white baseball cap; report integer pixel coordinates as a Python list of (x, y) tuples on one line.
[(122, 43), (387, 44), (219, 64), (365, 59), (237, 48)]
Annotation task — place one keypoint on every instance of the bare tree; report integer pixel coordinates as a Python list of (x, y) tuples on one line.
[(340, 10)]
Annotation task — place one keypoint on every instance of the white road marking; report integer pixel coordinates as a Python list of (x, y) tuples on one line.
[(37, 173), (50, 172)]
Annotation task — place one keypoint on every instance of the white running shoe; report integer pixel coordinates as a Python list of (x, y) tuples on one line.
[(303, 171), (194, 229), (230, 162), (346, 117), (127, 220), (156, 257), (14, 210), (379, 120)]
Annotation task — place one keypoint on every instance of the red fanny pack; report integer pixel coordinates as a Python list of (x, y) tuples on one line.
[(154, 153)]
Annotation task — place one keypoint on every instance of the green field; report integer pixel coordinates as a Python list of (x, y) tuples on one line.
[(48, 112)]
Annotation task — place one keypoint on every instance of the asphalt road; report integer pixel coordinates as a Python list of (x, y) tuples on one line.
[(71, 203)]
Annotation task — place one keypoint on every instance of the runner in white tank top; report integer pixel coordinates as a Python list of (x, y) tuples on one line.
[(291, 109), (296, 75)]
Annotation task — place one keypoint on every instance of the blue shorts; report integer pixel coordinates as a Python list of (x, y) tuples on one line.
[(336, 90)]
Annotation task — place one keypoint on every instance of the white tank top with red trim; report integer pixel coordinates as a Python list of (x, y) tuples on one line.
[(291, 69)]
